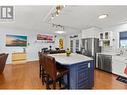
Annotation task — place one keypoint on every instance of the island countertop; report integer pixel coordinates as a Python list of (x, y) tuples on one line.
[(70, 60)]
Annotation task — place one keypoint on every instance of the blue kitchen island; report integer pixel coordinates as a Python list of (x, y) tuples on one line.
[(81, 69)]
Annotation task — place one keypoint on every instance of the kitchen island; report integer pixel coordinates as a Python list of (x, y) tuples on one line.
[(81, 69)]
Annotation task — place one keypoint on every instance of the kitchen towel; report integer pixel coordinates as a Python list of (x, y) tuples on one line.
[(125, 71)]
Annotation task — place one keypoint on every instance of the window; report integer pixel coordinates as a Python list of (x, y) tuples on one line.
[(123, 39)]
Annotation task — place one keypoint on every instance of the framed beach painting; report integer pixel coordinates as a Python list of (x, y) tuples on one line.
[(16, 40)]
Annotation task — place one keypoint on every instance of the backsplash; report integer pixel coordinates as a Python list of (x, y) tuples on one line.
[(107, 49), (118, 50), (122, 50)]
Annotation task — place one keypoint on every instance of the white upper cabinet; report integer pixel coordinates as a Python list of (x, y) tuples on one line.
[(90, 33), (106, 38), (107, 35)]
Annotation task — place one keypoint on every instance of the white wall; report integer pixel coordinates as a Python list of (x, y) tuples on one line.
[(92, 32), (116, 29), (32, 49)]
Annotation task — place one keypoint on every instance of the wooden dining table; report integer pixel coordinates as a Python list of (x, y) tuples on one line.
[(81, 69)]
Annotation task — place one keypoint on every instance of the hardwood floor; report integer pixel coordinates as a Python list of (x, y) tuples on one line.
[(104, 80), (26, 76), (21, 76)]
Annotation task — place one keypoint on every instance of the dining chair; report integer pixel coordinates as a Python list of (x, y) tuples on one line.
[(3, 59), (53, 52), (2, 54), (62, 51), (54, 73)]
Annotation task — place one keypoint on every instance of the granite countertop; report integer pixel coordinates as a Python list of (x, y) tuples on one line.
[(108, 53), (69, 60), (116, 56)]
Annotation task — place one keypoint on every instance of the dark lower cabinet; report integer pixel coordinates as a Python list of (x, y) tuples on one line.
[(82, 75)]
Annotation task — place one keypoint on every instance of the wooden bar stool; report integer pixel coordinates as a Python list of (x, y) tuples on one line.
[(3, 59), (42, 72), (54, 73), (40, 65)]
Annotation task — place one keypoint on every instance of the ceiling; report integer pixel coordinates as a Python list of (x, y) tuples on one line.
[(87, 16), (74, 18)]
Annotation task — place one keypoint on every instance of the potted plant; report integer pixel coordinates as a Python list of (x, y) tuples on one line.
[(68, 52)]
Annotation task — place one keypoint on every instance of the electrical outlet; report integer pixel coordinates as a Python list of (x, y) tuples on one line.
[(88, 65)]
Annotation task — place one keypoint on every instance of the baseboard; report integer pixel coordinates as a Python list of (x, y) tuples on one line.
[(28, 61)]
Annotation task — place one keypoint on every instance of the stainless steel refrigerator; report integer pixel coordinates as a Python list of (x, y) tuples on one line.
[(90, 46)]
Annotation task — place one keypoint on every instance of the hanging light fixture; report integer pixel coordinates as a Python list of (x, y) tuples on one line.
[(58, 9), (55, 11), (59, 28), (52, 17)]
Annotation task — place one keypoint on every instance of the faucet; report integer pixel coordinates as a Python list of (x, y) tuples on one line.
[(121, 52)]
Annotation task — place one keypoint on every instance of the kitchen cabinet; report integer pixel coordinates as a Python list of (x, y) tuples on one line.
[(106, 39), (19, 57), (71, 45), (82, 75), (118, 65), (111, 63), (75, 42), (105, 35), (77, 45), (74, 45)]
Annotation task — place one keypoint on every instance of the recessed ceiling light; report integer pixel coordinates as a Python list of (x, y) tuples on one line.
[(60, 32), (102, 16), (64, 6)]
